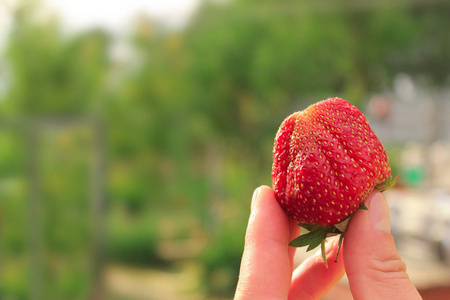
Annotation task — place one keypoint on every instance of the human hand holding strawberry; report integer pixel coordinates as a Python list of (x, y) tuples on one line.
[(327, 164), (374, 268)]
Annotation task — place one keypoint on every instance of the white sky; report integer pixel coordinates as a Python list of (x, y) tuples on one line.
[(115, 14)]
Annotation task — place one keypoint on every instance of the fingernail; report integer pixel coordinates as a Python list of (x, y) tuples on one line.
[(379, 212), (255, 196)]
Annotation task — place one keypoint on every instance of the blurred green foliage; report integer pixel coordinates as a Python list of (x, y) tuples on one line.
[(190, 118)]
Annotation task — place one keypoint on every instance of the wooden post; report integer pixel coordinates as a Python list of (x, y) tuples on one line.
[(98, 176), (34, 211)]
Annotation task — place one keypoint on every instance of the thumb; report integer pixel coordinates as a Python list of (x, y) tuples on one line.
[(374, 268)]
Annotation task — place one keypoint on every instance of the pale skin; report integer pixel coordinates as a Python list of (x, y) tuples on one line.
[(368, 256)]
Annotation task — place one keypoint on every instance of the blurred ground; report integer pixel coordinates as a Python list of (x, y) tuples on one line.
[(148, 284), (429, 274)]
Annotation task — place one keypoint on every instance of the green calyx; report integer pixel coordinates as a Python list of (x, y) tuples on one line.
[(318, 234), (387, 183)]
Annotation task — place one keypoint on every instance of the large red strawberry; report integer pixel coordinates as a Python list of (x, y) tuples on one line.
[(326, 160)]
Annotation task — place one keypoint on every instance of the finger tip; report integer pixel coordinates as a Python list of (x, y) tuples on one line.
[(261, 192), (375, 195), (255, 198)]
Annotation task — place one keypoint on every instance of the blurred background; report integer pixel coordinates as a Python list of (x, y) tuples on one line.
[(133, 133)]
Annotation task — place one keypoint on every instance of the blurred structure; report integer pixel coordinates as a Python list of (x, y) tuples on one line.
[(416, 119), (46, 247), (422, 118)]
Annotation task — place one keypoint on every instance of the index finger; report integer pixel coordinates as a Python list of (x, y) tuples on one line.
[(266, 266)]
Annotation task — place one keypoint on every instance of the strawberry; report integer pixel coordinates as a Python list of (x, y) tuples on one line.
[(326, 161)]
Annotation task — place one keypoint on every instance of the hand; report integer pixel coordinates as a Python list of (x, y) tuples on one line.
[(374, 267)]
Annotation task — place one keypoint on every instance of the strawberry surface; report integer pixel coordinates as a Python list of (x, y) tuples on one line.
[(326, 160)]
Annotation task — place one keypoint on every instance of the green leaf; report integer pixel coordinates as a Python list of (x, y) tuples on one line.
[(310, 227), (324, 254), (311, 239), (317, 237), (341, 238), (363, 206), (387, 184)]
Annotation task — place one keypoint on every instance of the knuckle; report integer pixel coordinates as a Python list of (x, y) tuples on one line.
[(388, 266)]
